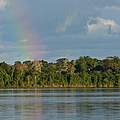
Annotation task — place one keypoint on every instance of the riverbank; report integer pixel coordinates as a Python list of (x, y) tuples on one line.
[(85, 72)]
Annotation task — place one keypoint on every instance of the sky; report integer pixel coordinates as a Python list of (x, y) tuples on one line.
[(51, 29)]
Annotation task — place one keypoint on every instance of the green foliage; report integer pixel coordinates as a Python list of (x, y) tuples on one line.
[(83, 72)]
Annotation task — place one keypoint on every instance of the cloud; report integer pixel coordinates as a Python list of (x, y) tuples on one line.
[(24, 40), (114, 7), (3, 4), (67, 23), (2, 46), (101, 25)]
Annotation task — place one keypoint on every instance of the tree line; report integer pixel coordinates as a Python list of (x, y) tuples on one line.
[(82, 72)]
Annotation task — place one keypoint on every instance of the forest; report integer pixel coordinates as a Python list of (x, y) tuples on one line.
[(85, 72)]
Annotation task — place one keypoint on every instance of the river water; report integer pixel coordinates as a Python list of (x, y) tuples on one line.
[(60, 104)]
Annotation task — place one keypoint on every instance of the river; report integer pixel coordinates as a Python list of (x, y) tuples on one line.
[(60, 104)]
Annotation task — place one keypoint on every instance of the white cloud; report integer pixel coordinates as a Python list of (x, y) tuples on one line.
[(24, 40), (115, 8), (3, 4), (67, 23), (101, 25)]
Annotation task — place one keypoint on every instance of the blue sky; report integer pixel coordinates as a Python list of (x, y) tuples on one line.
[(63, 28)]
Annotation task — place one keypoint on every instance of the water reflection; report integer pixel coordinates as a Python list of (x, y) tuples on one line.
[(60, 104)]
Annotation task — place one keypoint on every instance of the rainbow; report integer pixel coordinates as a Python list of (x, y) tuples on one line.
[(29, 44), (28, 41)]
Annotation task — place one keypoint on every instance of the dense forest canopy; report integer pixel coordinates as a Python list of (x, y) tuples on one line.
[(82, 72)]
